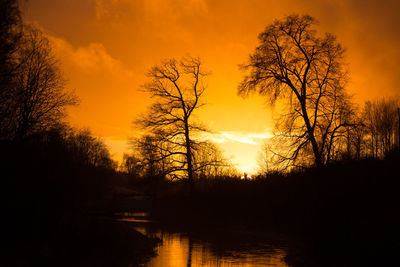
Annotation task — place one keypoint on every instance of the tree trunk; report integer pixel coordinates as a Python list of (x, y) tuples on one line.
[(317, 155), (189, 159)]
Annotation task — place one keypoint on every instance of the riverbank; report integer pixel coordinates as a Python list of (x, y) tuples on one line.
[(93, 242), (340, 215)]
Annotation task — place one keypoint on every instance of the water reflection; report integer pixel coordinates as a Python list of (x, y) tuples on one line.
[(180, 249), (133, 217)]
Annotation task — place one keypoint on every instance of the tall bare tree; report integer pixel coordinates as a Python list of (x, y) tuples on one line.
[(177, 88), (295, 64)]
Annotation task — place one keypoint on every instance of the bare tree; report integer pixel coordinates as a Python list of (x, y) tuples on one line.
[(264, 159), (336, 130), (208, 160), (10, 34), (381, 119), (177, 88), (293, 63), (131, 165), (38, 97), (350, 141), (153, 154), (89, 150)]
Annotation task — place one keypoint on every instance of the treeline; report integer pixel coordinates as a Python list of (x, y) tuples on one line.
[(34, 100), (52, 176), (371, 132), (56, 192), (33, 96), (54, 179), (380, 134)]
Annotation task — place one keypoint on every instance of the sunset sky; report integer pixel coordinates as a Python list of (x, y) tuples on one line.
[(105, 48)]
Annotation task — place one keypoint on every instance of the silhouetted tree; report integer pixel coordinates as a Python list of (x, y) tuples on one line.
[(208, 160), (264, 159), (294, 63), (154, 155), (177, 88), (10, 33), (338, 128), (36, 99), (89, 150), (40, 96), (131, 165), (381, 120), (354, 138)]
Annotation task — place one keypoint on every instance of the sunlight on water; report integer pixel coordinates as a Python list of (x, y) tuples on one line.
[(178, 250), (133, 217)]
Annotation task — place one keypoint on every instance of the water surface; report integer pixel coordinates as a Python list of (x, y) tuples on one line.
[(188, 249)]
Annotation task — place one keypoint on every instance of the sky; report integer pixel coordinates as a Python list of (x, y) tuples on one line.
[(105, 48)]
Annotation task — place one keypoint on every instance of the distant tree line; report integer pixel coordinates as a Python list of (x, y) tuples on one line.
[(374, 133), (148, 161), (379, 134)]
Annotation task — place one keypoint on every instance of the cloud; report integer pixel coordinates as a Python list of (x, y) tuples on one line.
[(261, 135), (90, 58), (150, 8), (106, 87), (238, 137), (102, 8), (165, 19)]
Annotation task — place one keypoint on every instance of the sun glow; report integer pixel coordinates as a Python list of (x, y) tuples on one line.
[(241, 149), (246, 177), (249, 169)]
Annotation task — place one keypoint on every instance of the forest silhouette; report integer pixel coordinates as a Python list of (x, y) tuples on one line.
[(328, 177)]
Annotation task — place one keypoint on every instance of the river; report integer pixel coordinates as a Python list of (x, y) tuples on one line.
[(207, 249)]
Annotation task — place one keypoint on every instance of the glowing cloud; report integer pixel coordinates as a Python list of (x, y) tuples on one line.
[(238, 137), (93, 57)]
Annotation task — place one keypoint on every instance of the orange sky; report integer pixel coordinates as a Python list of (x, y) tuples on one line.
[(106, 46)]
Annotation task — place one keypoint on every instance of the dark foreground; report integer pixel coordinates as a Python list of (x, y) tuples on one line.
[(58, 212), (96, 243), (53, 206), (342, 215)]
